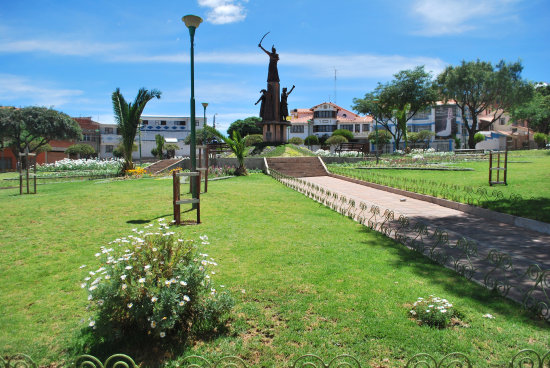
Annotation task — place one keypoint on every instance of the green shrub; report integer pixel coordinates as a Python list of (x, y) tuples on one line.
[(383, 136), (540, 139), (153, 286), (82, 149), (311, 140), (434, 311), (478, 137), (253, 139), (344, 133), (336, 140), (171, 149), (296, 140)]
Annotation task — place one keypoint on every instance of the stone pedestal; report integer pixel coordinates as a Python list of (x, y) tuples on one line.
[(275, 131)]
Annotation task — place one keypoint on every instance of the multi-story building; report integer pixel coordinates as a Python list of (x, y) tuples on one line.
[(325, 118), (174, 129)]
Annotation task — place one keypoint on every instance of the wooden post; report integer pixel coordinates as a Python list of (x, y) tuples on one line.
[(206, 174), (498, 165), (176, 197), (505, 165), (27, 173), (35, 176), (490, 168)]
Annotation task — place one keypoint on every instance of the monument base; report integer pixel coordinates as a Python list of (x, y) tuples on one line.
[(275, 131)]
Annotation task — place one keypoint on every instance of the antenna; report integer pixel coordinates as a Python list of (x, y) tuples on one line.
[(335, 101)]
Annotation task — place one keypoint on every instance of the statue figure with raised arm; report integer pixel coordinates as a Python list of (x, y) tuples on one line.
[(284, 104), (273, 73)]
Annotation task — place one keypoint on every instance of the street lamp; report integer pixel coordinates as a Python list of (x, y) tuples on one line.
[(214, 121), (192, 22), (376, 101), (204, 104)]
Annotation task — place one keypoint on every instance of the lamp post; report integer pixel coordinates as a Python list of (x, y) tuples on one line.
[(204, 104), (214, 121), (192, 22), (139, 130), (376, 101)]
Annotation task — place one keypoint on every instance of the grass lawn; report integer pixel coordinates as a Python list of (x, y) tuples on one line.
[(528, 176), (313, 280)]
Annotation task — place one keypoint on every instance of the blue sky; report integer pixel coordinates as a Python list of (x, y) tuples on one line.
[(73, 54)]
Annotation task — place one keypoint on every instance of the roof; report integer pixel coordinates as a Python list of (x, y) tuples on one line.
[(301, 116), (87, 123)]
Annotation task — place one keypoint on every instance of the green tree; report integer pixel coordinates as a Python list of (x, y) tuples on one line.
[(296, 140), (311, 140), (159, 140), (118, 152), (383, 137), (344, 133), (81, 150), (237, 145), (535, 111), (31, 128), (393, 104), (477, 87), (478, 138), (250, 125), (127, 116), (253, 139), (540, 139), (171, 149), (336, 140), (202, 136)]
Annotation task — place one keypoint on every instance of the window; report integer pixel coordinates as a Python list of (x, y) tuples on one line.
[(357, 128), (108, 130), (347, 126), (324, 114), (324, 128), (109, 148), (118, 131), (145, 122), (180, 122), (502, 121), (297, 129), (423, 115), (163, 122), (366, 127)]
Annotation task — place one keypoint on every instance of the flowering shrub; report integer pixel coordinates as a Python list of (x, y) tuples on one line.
[(72, 165), (433, 311), (138, 171), (152, 285)]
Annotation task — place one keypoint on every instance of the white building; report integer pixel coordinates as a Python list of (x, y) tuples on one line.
[(174, 129)]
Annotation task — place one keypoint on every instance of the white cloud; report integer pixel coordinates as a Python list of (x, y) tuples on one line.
[(224, 11), (58, 47), (17, 88), (348, 66), (441, 17)]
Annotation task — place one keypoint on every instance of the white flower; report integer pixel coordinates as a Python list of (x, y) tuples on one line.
[(83, 285), (186, 298), (413, 312), (147, 267), (82, 266), (183, 283), (490, 316), (91, 324), (107, 277), (443, 310), (162, 334), (153, 324), (124, 286), (243, 291), (100, 302), (128, 267), (142, 280), (154, 299), (181, 303), (123, 277), (92, 288), (129, 305), (167, 282)]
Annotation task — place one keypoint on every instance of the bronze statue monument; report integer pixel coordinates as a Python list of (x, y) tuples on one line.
[(274, 106)]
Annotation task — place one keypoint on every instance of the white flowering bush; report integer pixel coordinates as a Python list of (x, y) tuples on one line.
[(82, 165), (434, 311), (154, 286)]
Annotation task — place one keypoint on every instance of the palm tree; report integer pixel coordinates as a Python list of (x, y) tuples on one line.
[(237, 145), (127, 116)]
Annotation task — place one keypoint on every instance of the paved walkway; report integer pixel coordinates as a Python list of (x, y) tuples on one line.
[(525, 246)]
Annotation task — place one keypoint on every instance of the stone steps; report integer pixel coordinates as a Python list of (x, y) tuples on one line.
[(161, 165), (297, 166)]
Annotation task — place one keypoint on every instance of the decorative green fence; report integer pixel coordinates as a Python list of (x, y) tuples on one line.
[(524, 358), (528, 284)]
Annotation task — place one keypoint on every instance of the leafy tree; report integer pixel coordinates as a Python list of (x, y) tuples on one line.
[(395, 103), (237, 145), (422, 136), (202, 136), (478, 138), (80, 149), (159, 140), (250, 125), (383, 137), (540, 139), (336, 140), (477, 87), (296, 140), (344, 133), (33, 127), (171, 149), (253, 139), (118, 152), (127, 116), (311, 140), (536, 111)]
